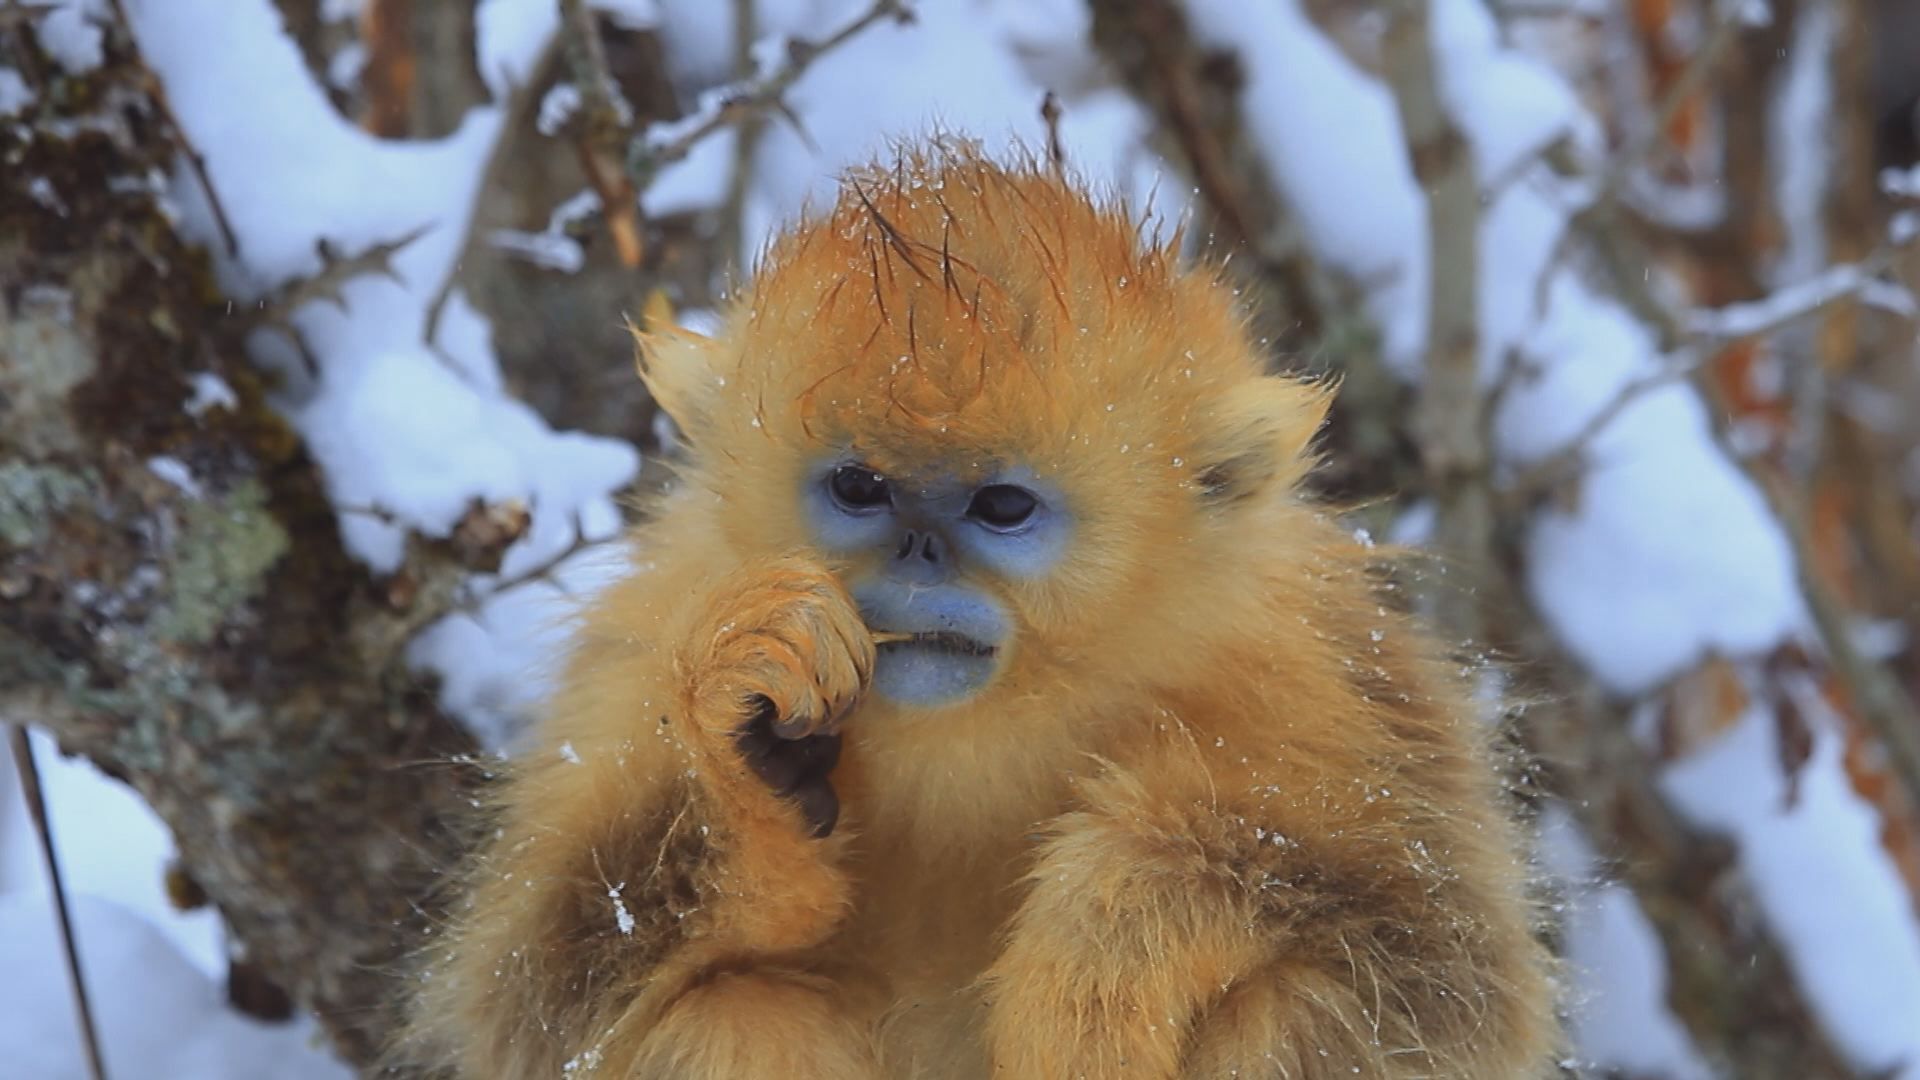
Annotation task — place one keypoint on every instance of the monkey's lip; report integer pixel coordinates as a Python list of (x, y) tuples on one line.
[(943, 640)]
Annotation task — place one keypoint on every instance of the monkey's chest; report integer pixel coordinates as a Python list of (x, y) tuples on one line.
[(921, 936)]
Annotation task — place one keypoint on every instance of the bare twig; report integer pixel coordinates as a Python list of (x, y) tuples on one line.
[(1727, 18), (604, 123), (1602, 211), (1762, 318), (1563, 464), (1050, 113), (1704, 334), (446, 598), (16, 13), (335, 271), (1450, 421), (36, 801), (520, 102), (543, 570), (195, 161), (746, 138), (1194, 94), (646, 157), (1875, 694)]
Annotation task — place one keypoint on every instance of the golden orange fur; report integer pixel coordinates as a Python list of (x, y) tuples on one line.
[(1221, 814)]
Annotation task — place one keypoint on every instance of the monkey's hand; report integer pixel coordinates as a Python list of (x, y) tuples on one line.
[(777, 662)]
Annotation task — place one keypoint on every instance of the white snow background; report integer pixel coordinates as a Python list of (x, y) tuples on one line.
[(1670, 556)]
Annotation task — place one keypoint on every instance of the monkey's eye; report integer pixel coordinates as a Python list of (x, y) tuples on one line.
[(1002, 506), (859, 489)]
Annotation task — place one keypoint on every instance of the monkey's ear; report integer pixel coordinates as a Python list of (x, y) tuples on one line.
[(1257, 443), (676, 366)]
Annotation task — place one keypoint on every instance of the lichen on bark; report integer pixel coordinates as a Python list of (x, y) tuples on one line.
[(175, 602)]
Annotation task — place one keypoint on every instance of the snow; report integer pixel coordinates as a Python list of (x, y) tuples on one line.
[(175, 472), (159, 1017), (497, 663), (71, 34), (1620, 1021), (547, 250), (696, 182), (949, 46), (630, 14), (404, 441), (1792, 301), (622, 917), (1824, 883), (1669, 553), (110, 845), (509, 38), (557, 108), (345, 66), (698, 34), (155, 974), (210, 391), (1904, 183), (1512, 105), (15, 95), (1332, 141)]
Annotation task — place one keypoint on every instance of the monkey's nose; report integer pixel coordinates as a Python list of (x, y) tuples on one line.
[(922, 557)]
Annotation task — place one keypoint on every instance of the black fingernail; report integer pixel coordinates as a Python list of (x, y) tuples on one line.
[(790, 727), (759, 709), (820, 806)]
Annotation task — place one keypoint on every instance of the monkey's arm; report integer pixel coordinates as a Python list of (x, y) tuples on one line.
[(1185, 923), (664, 855)]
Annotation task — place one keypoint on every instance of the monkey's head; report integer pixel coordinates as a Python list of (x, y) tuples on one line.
[(1028, 440)]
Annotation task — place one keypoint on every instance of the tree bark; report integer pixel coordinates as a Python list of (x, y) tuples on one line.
[(175, 603)]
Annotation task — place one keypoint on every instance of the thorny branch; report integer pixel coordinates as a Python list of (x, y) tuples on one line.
[(1707, 333), (646, 156), (603, 122), (336, 270)]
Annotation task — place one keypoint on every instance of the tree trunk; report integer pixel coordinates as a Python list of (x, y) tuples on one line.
[(175, 603)]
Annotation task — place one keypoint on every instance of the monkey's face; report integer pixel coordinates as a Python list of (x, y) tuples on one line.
[(921, 545), (1034, 448)]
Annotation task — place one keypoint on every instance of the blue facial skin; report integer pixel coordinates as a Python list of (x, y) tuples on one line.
[(931, 533)]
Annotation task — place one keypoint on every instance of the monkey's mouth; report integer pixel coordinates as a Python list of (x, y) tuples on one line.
[(939, 640)]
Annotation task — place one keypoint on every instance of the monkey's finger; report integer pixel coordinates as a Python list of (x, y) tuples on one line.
[(766, 755), (841, 710), (819, 806), (816, 756), (803, 717), (761, 753)]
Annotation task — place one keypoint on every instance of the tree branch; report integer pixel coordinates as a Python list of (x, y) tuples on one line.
[(665, 144), (1450, 419)]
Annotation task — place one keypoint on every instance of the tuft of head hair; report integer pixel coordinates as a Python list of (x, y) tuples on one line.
[(948, 300)]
